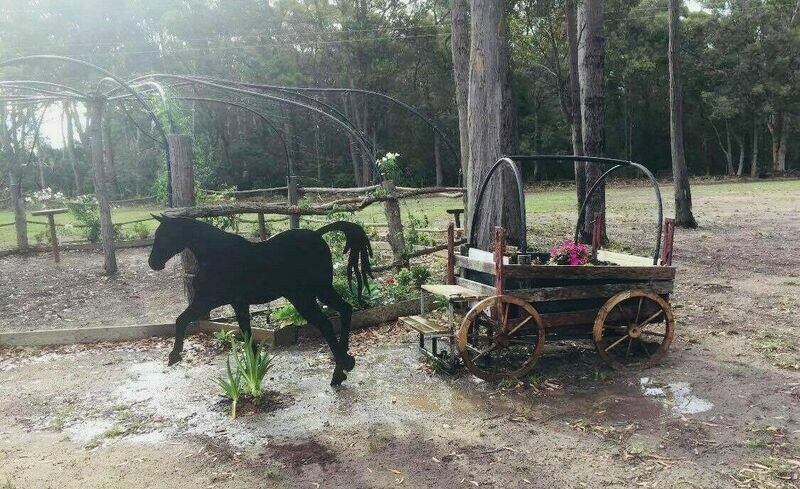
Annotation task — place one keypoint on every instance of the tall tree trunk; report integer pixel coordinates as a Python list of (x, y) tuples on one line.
[(95, 132), (354, 158), (18, 203), (460, 46), (729, 151), (591, 61), (740, 167), (575, 99), (777, 125), (680, 172), (108, 158), (489, 121), (68, 141), (437, 158), (754, 161)]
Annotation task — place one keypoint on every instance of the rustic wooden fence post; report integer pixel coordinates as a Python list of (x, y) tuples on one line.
[(96, 107), (291, 200), (262, 227), (396, 239), (182, 157), (18, 205)]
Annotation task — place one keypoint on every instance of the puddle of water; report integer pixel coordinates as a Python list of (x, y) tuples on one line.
[(685, 402), (88, 430), (681, 393)]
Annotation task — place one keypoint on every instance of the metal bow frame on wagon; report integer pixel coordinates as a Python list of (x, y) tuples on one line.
[(510, 161)]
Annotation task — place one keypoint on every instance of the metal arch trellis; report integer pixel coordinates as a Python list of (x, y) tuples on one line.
[(617, 165), (428, 121), (255, 112), (108, 77), (365, 145)]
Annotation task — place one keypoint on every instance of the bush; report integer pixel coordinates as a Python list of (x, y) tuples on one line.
[(287, 315), (84, 210)]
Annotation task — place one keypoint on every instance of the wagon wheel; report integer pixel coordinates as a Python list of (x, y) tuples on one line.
[(634, 329), (501, 337)]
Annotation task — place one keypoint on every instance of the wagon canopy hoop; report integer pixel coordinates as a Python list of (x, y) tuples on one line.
[(522, 238), (617, 165)]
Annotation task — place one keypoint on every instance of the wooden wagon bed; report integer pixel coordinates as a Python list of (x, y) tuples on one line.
[(501, 308)]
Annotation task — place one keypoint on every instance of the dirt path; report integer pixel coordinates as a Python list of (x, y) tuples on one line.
[(722, 411)]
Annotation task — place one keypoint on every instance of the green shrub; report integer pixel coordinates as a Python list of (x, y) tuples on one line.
[(225, 339), (84, 211), (252, 363), (287, 315), (140, 230)]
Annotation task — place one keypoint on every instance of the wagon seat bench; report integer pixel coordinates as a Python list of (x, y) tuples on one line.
[(511, 305)]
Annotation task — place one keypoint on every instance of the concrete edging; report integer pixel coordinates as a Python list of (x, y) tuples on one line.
[(287, 335)]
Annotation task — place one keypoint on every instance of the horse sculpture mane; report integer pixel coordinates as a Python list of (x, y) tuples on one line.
[(294, 264)]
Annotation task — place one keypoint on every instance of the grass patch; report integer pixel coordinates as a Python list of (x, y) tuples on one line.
[(777, 348)]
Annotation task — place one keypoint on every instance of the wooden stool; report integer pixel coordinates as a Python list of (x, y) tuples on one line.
[(456, 215), (52, 224)]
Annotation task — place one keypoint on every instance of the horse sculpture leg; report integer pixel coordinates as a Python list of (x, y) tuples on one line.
[(332, 298), (243, 317), (308, 308), (192, 313)]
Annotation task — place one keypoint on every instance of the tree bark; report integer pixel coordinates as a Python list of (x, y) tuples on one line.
[(182, 158), (740, 166), (591, 61), (95, 134), (18, 204), (754, 161), (460, 46), (437, 158), (778, 128), (69, 147), (680, 171), (108, 158), (575, 99), (490, 121), (396, 238)]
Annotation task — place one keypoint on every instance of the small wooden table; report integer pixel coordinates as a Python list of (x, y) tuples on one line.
[(52, 224), (456, 215)]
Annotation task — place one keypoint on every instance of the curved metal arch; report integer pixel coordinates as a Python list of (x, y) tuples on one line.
[(325, 105), (618, 164), (429, 122), (259, 114), (46, 84), (522, 238), (123, 84), (362, 141)]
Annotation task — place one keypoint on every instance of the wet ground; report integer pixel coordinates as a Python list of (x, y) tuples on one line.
[(86, 417), (722, 411)]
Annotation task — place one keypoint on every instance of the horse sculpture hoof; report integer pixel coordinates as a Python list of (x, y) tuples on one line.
[(349, 363), (173, 358), (338, 377)]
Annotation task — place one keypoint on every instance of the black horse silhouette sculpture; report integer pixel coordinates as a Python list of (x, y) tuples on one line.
[(294, 264)]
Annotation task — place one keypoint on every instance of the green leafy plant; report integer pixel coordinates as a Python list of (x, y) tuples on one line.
[(140, 230), (287, 315), (412, 234), (253, 361), (223, 338), (84, 211), (224, 196), (420, 275), (231, 385)]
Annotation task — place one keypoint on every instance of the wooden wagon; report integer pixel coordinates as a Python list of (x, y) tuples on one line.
[(502, 308)]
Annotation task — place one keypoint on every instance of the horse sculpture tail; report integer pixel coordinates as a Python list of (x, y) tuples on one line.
[(357, 243)]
